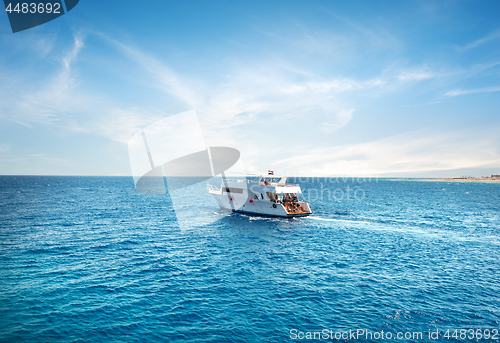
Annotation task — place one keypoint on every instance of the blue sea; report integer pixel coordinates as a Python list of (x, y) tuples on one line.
[(90, 259)]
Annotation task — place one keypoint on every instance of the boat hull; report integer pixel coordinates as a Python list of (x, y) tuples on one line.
[(273, 215)]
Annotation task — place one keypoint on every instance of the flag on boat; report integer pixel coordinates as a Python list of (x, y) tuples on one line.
[(270, 172)]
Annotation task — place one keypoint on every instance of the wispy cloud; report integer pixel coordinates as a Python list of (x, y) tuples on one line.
[(458, 92), (166, 78), (259, 94), (374, 35), (258, 106), (4, 147), (492, 36), (71, 55), (332, 86), (60, 99), (419, 74), (343, 117), (247, 96), (44, 101), (254, 95), (410, 152)]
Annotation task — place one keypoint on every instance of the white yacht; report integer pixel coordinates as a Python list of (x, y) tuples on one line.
[(265, 195)]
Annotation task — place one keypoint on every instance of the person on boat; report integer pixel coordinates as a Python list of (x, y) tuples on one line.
[(294, 197)]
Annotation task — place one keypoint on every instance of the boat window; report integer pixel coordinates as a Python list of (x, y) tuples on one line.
[(262, 196), (233, 190)]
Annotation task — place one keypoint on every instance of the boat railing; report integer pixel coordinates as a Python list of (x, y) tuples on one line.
[(212, 188), (236, 180), (227, 181), (259, 182)]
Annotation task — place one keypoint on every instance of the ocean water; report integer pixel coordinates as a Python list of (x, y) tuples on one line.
[(89, 259)]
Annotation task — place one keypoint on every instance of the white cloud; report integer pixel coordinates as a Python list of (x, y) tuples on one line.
[(333, 86), (254, 95), (493, 35), (458, 92), (166, 78), (31, 100), (419, 74), (61, 100), (406, 153), (343, 117), (263, 98), (257, 108)]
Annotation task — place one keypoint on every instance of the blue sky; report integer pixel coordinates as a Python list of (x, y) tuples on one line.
[(393, 88)]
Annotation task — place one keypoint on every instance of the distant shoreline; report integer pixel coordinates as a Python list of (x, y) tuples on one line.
[(459, 179)]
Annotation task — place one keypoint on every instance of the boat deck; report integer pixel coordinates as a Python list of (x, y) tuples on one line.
[(300, 207)]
